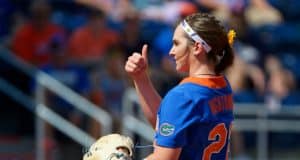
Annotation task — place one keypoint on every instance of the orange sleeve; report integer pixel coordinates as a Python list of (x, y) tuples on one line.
[(21, 44), (114, 37), (76, 47)]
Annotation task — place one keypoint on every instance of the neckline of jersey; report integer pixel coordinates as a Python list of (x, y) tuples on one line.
[(215, 82)]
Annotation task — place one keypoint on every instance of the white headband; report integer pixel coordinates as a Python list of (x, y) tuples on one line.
[(192, 34)]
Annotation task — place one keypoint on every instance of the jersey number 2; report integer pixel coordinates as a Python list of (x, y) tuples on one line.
[(220, 132)]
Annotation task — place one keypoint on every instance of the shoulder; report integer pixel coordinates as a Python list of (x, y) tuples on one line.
[(180, 98), (189, 91), (177, 92)]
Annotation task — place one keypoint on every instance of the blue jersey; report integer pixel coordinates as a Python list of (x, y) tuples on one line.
[(196, 116)]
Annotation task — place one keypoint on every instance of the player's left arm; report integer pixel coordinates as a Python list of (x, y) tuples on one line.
[(163, 153)]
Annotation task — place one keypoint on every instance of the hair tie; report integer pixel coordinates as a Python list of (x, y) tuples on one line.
[(231, 35)]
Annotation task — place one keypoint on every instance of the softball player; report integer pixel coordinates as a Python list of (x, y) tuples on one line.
[(193, 120)]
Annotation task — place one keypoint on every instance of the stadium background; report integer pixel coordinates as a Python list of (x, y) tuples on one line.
[(85, 48)]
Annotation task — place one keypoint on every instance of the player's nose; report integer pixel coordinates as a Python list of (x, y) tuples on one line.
[(172, 52)]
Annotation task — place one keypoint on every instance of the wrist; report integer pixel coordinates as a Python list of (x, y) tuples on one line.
[(142, 77)]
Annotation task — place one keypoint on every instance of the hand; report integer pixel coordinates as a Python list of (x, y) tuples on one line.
[(137, 63), (112, 147)]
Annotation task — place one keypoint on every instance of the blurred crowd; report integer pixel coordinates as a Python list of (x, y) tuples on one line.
[(84, 44)]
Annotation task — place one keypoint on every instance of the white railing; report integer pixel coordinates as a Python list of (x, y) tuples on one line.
[(43, 113), (45, 81), (261, 123), (76, 100), (133, 120)]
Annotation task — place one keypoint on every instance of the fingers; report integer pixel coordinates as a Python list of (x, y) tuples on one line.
[(145, 52), (132, 68), (137, 63), (137, 59), (134, 63)]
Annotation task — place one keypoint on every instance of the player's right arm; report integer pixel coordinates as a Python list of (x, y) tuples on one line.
[(163, 153), (136, 66)]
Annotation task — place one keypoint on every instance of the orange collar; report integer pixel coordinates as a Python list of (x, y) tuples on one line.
[(211, 82)]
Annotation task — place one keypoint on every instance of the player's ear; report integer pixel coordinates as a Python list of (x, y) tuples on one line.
[(198, 48)]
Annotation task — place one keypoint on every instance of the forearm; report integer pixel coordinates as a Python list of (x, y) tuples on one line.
[(162, 153), (149, 98), (149, 157)]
